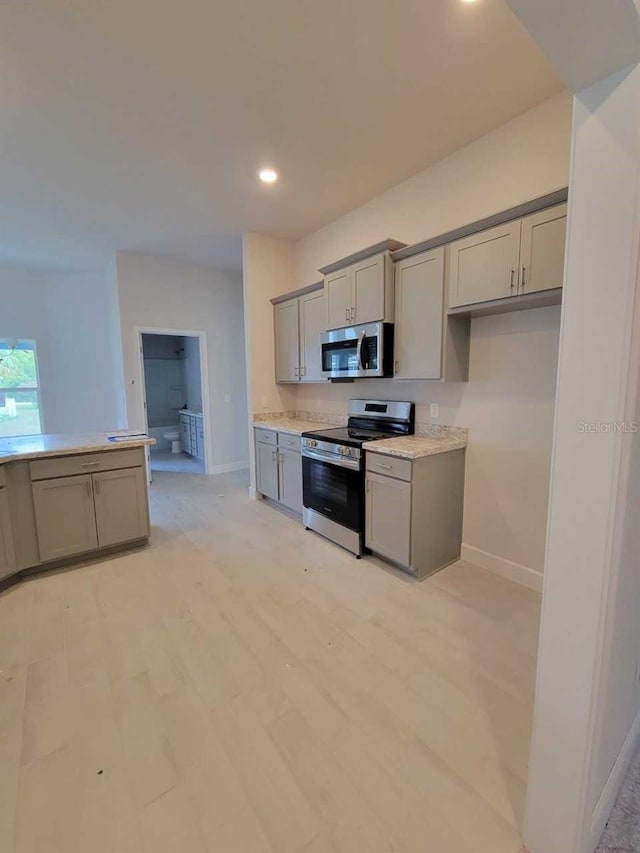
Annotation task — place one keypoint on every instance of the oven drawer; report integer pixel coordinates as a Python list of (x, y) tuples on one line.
[(86, 463), (389, 466), (290, 442), (266, 436)]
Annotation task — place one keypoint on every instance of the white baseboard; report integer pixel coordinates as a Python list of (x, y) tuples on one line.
[(228, 467), (505, 568), (611, 787), (254, 494)]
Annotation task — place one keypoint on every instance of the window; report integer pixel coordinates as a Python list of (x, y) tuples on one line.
[(19, 394)]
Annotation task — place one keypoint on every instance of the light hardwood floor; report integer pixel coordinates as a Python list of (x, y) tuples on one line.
[(243, 686)]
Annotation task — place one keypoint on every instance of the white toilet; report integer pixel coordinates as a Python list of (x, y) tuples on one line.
[(173, 436)]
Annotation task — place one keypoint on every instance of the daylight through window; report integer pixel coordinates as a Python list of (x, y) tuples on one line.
[(19, 392)]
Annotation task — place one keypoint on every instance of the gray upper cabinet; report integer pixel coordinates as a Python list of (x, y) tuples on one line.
[(313, 321), (120, 506), (65, 516), (287, 341), (542, 250), (361, 292), (7, 555), (337, 286), (298, 323), (515, 259), (419, 313), (485, 266)]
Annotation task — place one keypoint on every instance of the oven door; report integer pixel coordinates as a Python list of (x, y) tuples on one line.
[(334, 491), (358, 351)]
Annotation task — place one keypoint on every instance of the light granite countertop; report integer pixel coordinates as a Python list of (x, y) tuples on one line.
[(292, 426), (32, 446), (416, 446)]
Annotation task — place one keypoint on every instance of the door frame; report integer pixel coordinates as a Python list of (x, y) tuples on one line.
[(139, 331)]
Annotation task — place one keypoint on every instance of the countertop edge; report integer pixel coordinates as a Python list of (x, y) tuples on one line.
[(419, 453), (76, 450)]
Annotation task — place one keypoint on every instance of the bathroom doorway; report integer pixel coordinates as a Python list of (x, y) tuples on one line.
[(175, 400)]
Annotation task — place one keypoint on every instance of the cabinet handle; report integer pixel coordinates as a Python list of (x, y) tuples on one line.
[(523, 272), (303, 370), (273, 456), (396, 366), (382, 465), (347, 312), (353, 313), (513, 272), (90, 464)]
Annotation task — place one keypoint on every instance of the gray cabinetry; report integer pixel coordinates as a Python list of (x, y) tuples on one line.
[(267, 470), (65, 516), (361, 292), (279, 468), (428, 343), (298, 323), (79, 512), (192, 434), (514, 259), (7, 555), (120, 505), (414, 509)]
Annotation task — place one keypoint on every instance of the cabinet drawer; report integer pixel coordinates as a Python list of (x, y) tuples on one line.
[(291, 442), (3, 480), (390, 466), (87, 463), (266, 436)]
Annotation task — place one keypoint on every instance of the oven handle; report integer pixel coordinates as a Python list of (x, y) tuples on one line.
[(330, 459)]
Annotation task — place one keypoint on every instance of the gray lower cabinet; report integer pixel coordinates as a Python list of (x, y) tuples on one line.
[(414, 509), (75, 513), (192, 434), (290, 479), (65, 516), (120, 505), (279, 468), (267, 470), (7, 555)]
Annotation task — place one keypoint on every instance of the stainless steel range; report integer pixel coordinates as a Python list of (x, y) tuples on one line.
[(333, 473)]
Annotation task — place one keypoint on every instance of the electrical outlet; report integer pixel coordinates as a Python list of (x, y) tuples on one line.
[(227, 398), (434, 410)]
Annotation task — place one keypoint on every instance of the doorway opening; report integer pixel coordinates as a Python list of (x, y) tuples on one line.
[(173, 401)]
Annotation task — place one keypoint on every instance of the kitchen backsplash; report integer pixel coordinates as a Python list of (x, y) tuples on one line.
[(426, 429)]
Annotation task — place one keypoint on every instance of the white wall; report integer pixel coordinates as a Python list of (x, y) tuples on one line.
[(586, 718), (72, 318), (267, 270), (508, 402), (160, 293), (192, 373)]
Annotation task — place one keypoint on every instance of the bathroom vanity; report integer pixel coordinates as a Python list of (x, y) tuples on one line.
[(63, 498)]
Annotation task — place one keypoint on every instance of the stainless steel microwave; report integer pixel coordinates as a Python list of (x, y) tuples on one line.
[(358, 351)]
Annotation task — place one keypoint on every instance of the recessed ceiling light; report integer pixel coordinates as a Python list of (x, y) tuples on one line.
[(468, 1), (268, 176)]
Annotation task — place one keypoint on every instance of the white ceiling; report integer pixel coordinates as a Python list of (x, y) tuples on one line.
[(139, 124)]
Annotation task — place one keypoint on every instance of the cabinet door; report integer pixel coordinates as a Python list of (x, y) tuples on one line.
[(7, 555), (290, 464), (337, 287), (313, 321), (542, 249), (388, 519), (287, 341), (419, 316), (266, 470), (121, 506), (485, 266), (367, 290), (200, 434), (185, 435), (65, 516)]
